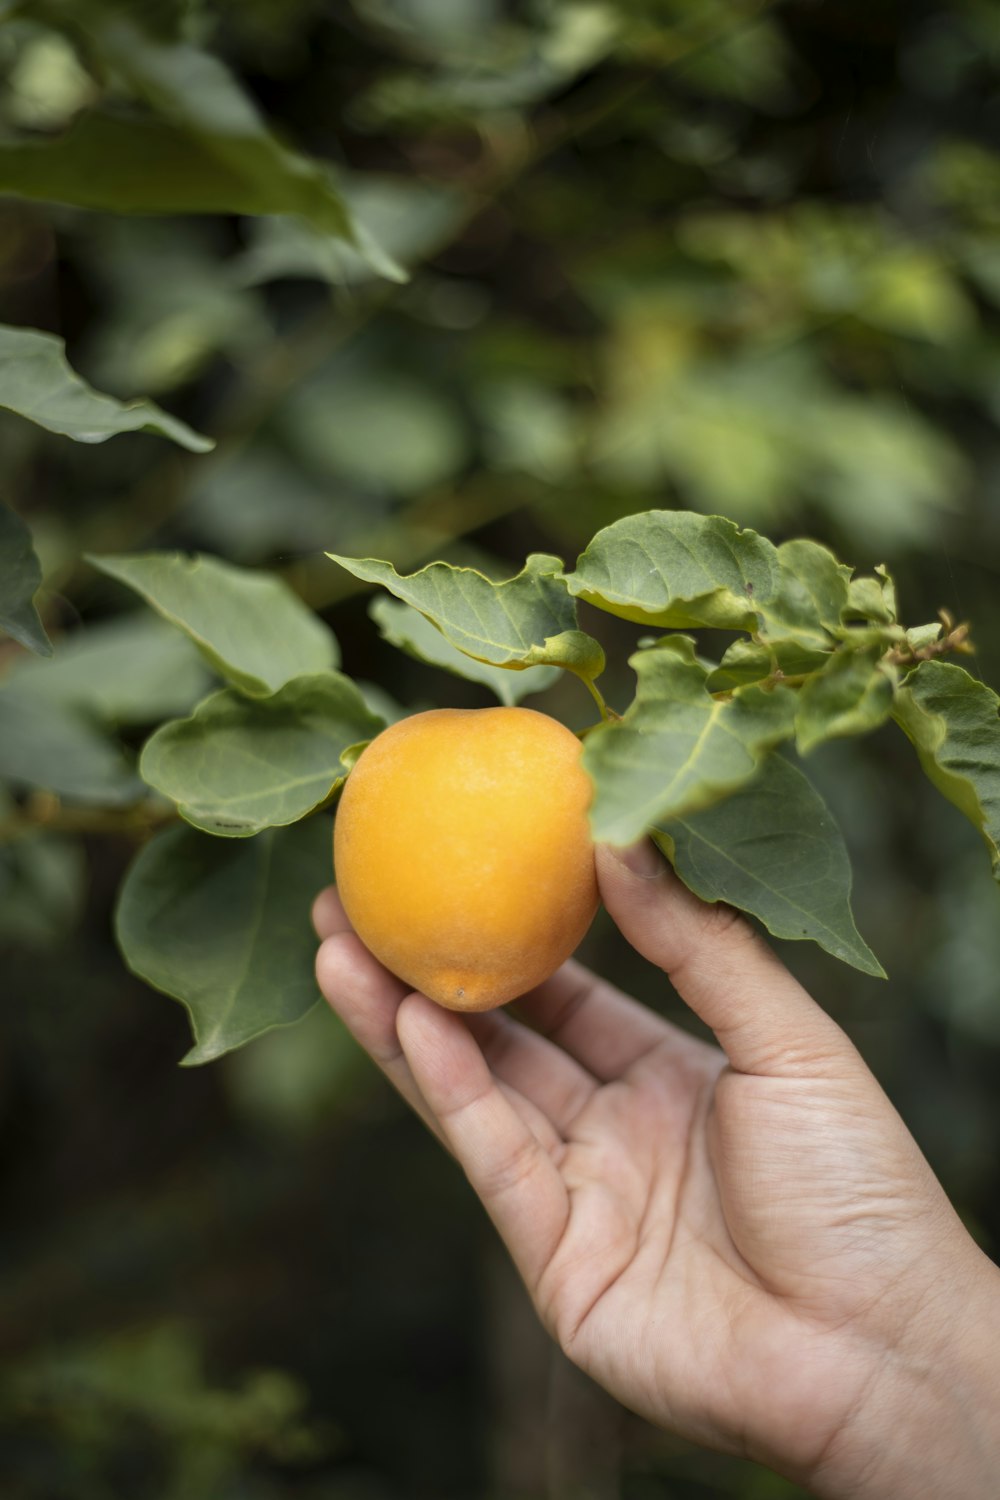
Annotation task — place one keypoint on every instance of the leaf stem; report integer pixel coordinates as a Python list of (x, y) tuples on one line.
[(608, 715)]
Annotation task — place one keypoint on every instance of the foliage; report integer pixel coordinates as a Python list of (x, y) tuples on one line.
[(272, 748), (667, 264)]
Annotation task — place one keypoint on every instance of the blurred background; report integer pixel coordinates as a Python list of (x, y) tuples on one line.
[(729, 257)]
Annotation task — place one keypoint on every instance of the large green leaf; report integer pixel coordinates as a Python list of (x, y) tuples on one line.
[(954, 722), (20, 577), (238, 764), (678, 749), (751, 661), (412, 632), (678, 569), (249, 626), (37, 382), (134, 669), (774, 850), (207, 149), (223, 926), (851, 695), (525, 621), (48, 746), (810, 596), (127, 164)]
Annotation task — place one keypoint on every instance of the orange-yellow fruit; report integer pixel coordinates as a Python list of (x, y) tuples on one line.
[(463, 855)]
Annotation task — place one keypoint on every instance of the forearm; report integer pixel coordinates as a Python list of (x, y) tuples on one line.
[(929, 1427)]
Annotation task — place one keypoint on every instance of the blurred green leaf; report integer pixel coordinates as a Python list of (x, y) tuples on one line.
[(249, 626), (412, 632), (754, 436), (773, 850), (232, 506), (168, 300), (954, 723), (377, 429), (42, 884), (238, 764), (853, 694), (154, 1376), (526, 621), (20, 578), (296, 1076), (408, 219), (207, 148), (223, 926), (675, 568), (133, 669), (871, 599), (678, 749), (49, 746), (960, 984), (478, 61), (37, 382), (530, 428)]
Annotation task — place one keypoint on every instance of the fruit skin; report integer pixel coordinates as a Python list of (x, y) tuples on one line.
[(463, 855)]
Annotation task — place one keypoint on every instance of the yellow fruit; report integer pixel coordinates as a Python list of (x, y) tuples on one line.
[(463, 855)]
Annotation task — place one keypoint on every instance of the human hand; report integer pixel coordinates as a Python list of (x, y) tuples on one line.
[(751, 1253)]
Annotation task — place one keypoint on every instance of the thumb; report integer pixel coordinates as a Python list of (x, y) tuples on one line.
[(765, 1021)]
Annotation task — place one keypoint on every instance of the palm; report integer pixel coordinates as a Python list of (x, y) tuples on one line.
[(707, 1241), (658, 1241)]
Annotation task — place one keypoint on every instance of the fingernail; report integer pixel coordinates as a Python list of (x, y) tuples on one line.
[(642, 859)]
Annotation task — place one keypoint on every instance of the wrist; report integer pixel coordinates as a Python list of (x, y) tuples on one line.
[(928, 1424)]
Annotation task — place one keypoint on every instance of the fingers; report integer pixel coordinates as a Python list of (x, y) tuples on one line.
[(546, 1085), (514, 1175), (552, 1081), (328, 915), (364, 995), (763, 1018), (603, 1029)]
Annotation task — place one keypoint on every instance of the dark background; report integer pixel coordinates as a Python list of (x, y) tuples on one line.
[(736, 259)]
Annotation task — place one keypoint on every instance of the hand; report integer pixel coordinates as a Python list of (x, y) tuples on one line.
[(744, 1246)]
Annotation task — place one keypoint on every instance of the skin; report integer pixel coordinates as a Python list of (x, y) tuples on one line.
[(741, 1243)]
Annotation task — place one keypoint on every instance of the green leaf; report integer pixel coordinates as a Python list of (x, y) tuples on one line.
[(526, 621), (954, 722), (773, 850), (249, 626), (238, 764), (37, 382), (43, 880), (677, 569), (408, 219), (127, 164), (919, 637), (750, 661), (384, 432), (678, 749), (223, 926), (810, 597), (20, 577), (872, 599), (208, 149), (134, 669), (851, 695), (48, 746), (412, 632)]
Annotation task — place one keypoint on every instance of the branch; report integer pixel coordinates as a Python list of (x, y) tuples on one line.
[(43, 811)]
